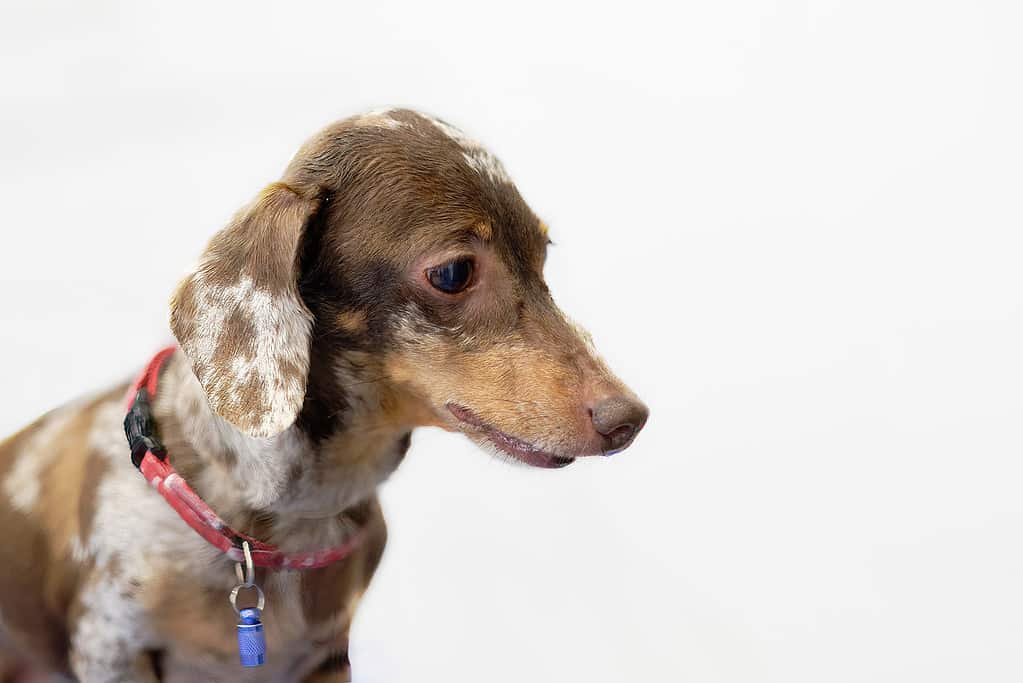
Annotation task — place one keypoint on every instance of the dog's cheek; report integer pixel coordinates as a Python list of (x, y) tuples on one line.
[(352, 323)]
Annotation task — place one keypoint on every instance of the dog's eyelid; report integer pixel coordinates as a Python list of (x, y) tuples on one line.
[(451, 257)]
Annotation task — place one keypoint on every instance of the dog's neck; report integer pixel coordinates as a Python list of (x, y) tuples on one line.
[(291, 489)]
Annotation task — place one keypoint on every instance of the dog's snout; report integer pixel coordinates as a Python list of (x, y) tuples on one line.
[(618, 419)]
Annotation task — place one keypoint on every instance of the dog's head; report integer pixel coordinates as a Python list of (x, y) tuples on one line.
[(395, 270)]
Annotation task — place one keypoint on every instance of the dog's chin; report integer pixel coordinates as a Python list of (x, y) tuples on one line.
[(491, 438)]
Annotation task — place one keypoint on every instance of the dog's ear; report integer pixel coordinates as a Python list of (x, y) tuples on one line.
[(239, 318)]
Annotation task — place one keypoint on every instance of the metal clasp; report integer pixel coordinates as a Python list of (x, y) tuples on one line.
[(246, 579)]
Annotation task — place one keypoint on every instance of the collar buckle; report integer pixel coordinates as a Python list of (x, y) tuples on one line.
[(140, 429)]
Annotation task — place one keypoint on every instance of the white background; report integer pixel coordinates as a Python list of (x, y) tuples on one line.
[(794, 228)]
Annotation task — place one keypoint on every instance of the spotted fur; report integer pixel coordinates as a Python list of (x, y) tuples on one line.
[(311, 346), (244, 284)]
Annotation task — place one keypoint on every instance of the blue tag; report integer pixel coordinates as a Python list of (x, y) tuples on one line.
[(251, 641)]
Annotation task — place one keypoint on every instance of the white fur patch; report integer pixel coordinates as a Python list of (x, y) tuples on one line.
[(23, 482), (108, 635), (379, 118), (479, 158), (283, 326)]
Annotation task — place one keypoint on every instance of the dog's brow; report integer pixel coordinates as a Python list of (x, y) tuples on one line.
[(483, 230)]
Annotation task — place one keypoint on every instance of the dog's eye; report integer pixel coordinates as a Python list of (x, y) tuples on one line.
[(452, 277)]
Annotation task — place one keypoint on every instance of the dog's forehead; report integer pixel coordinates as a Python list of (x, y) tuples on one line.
[(476, 156), (415, 168), (415, 127), (492, 174), (433, 138)]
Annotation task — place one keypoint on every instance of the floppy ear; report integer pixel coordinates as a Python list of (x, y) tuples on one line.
[(239, 317)]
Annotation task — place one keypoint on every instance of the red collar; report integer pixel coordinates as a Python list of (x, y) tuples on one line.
[(150, 457)]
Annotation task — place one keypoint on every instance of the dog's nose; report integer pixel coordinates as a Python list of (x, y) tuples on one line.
[(618, 419)]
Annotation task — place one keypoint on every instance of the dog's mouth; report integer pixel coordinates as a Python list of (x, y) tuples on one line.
[(522, 451)]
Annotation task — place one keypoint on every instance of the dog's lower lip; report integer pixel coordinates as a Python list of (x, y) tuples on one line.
[(517, 448)]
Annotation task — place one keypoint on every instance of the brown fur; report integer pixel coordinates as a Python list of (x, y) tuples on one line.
[(312, 344)]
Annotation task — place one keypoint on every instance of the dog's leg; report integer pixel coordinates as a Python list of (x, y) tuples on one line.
[(108, 636), (115, 666)]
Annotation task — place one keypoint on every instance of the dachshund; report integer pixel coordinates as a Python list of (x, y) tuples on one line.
[(391, 279)]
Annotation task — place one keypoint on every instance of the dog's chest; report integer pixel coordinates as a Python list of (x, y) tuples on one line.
[(304, 623)]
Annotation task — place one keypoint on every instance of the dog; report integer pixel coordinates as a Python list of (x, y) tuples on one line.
[(392, 279)]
